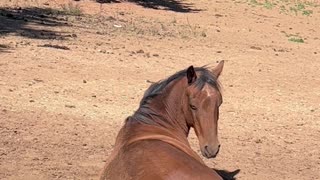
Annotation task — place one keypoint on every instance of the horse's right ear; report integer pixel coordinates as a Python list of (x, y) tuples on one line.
[(191, 75), (218, 69)]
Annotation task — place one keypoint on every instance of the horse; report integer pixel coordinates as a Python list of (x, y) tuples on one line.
[(152, 144)]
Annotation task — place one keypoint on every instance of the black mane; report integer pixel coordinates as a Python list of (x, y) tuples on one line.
[(206, 77)]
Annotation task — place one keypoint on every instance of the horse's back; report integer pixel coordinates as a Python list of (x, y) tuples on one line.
[(156, 160)]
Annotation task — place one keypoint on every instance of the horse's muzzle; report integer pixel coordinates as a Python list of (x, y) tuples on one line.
[(210, 153)]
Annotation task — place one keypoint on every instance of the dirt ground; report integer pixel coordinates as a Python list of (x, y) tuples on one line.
[(71, 72)]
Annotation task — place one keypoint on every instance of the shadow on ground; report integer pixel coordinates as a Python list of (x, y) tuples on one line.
[(36, 23), (227, 175), (170, 5)]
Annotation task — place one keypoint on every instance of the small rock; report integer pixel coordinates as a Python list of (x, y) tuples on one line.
[(70, 106), (31, 100), (147, 55), (117, 25), (102, 51), (37, 80), (289, 142), (84, 81), (155, 55), (140, 51), (110, 100), (256, 48), (100, 33)]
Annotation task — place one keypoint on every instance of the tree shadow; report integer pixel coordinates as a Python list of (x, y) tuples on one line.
[(227, 175), (34, 22), (170, 5)]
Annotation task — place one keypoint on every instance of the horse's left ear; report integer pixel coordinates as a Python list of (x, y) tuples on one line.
[(218, 69), (191, 75)]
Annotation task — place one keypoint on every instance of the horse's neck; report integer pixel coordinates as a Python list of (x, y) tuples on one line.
[(168, 105), (138, 132)]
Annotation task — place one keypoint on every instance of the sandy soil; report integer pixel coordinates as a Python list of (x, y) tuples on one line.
[(68, 82)]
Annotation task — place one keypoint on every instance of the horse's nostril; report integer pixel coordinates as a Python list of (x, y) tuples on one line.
[(206, 151)]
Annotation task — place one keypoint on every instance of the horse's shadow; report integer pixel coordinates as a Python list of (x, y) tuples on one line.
[(227, 175)]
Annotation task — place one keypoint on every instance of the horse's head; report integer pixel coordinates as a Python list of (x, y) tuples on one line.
[(202, 108)]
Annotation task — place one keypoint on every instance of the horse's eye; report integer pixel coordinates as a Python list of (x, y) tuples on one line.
[(193, 107)]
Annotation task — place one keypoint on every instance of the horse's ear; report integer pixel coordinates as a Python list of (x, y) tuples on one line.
[(191, 75), (218, 69)]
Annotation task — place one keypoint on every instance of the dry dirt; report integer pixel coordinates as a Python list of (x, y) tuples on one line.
[(68, 82)]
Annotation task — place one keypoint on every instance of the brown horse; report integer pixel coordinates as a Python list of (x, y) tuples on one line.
[(153, 145)]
